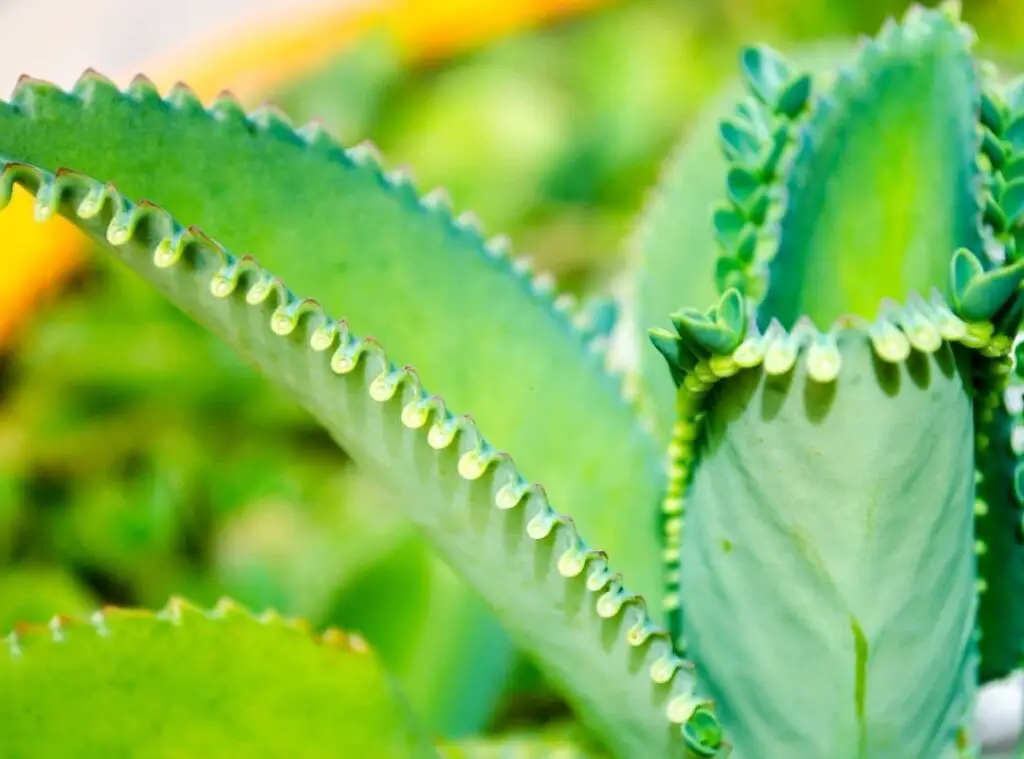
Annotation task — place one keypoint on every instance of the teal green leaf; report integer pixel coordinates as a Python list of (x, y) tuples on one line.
[(589, 632), (184, 682), (883, 188), (998, 524), (334, 223), (778, 517)]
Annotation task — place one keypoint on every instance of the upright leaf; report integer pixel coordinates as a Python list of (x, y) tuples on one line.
[(676, 247), (883, 186)]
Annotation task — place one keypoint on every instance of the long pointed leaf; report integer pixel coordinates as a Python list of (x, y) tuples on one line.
[(332, 222), (591, 634)]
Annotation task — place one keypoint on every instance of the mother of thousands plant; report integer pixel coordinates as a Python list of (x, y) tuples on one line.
[(839, 450)]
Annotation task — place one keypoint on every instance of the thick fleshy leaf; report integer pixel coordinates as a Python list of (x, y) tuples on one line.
[(815, 516), (997, 421), (998, 524), (404, 268), (418, 278), (184, 682), (590, 633), (678, 243), (884, 185)]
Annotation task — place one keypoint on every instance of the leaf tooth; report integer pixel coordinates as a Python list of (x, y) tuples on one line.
[(573, 560), (512, 493), (171, 249), (174, 610), (227, 109), (416, 413), (543, 285), (438, 200), (269, 118), (47, 199), (951, 327), (499, 246), (122, 226), (317, 137), (322, 337), (226, 279), (95, 197), (98, 621), (365, 153), (13, 643), (613, 597), (349, 352), (401, 178), (475, 462), (28, 91), (543, 522), (920, 330), (56, 628), (289, 314), (823, 359), (469, 222), (443, 431), (565, 303), (183, 98), (781, 350), (142, 89), (225, 607), (664, 668), (90, 83)]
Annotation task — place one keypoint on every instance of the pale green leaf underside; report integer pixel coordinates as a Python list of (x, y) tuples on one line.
[(674, 247), (590, 634), (334, 225), (846, 508), (185, 682)]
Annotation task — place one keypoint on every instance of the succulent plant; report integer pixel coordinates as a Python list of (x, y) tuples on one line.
[(839, 444)]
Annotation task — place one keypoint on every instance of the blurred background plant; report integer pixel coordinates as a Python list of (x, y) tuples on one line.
[(140, 458)]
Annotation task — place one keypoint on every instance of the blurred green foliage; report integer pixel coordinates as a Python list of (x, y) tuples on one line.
[(139, 457)]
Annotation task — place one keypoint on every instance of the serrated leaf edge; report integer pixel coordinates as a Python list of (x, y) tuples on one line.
[(103, 206)]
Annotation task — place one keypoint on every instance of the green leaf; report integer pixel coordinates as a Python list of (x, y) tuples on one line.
[(334, 224), (998, 524), (589, 632), (883, 188), (818, 498), (183, 682), (676, 246), (404, 268)]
